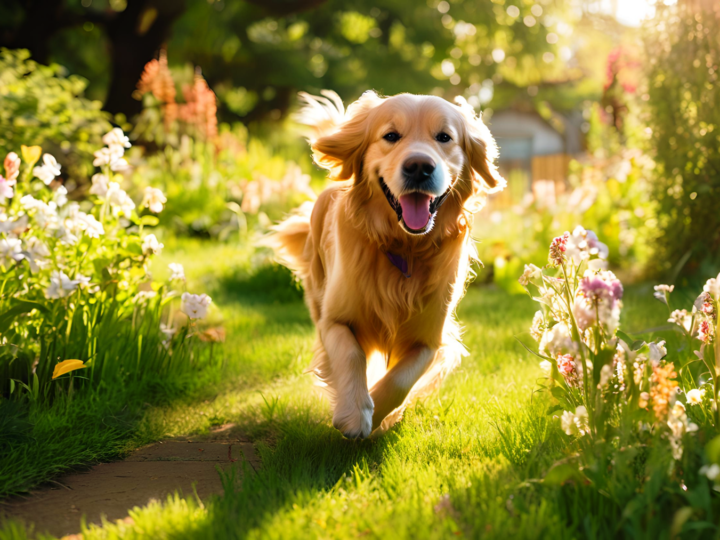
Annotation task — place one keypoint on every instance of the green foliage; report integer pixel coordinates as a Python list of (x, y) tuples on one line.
[(41, 105), (74, 285), (226, 187), (392, 46), (683, 93)]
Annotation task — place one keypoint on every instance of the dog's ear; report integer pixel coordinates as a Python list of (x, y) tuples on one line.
[(481, 151), (341, 151)]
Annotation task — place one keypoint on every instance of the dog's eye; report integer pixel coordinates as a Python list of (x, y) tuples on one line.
[(392, 137), (443, 137)]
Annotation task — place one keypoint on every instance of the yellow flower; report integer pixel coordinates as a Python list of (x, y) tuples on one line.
[(66, 366), (30, 154)]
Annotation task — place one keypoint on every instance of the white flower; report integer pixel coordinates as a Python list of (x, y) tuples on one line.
[(682, 318), (48, 171), (575, 424), (582, 244), (108, 156), (538, 326), (99, 185), (546, 366), (169, 332), (36, 253), (712, 287), (45, 213), (61, 285), (557, 340), (6, 190), (694, 396), (532, 273), (119, 200), (92, 227), (711, 471), (15, 226), (116, 138), (151, 246), (154, 200), (178, 272), (596, 265), (119, 165), (606, 373), (195, 306), (664, 288), (657, 351), (662, 292), (10, 251), (60, 196)]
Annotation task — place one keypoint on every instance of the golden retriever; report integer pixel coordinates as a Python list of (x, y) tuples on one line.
[(384, 255)]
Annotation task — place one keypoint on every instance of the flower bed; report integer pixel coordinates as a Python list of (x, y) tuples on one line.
[(76, 291), (647, 410)]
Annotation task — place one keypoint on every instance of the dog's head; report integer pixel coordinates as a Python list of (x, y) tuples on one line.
[(413, 152)]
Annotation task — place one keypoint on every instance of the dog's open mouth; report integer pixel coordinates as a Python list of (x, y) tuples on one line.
[(415, 211)]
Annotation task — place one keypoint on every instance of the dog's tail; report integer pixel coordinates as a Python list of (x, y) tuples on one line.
[(288, 240), (321, 114)]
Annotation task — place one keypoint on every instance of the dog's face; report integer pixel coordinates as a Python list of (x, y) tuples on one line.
[(413, 151)]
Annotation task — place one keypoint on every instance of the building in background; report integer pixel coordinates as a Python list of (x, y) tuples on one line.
[(535, 152)]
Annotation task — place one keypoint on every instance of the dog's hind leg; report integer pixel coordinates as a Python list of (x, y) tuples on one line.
[(348, 380), (390, 392)]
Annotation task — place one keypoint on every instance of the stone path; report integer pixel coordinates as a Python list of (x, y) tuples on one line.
[(111, 489)]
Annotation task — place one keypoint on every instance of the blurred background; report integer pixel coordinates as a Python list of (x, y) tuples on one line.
[(605, 111)]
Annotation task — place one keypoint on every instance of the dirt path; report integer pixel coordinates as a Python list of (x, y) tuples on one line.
[(111, 489)]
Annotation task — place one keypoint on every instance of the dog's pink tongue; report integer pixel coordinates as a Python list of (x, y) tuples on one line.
[(415, 210)]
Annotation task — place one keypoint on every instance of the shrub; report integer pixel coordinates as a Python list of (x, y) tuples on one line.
[(683, 94), (75, 288), (40, 105), (636, 413)]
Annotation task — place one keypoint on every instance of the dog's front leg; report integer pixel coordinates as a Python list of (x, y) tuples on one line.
[(348, 364), (390, 391)]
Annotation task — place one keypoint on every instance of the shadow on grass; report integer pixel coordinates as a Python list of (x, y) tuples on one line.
[(269, 284)]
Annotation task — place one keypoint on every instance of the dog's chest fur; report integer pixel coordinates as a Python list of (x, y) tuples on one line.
[(383, 307)]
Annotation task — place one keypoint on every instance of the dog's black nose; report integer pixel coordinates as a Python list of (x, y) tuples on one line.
[(418, 167)]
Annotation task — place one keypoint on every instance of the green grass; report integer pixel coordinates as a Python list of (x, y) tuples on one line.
[(462, 462)]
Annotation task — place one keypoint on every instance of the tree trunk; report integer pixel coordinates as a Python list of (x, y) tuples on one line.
[(135, 36)]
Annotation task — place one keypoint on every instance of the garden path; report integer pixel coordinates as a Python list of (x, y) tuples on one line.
[(110, 490)]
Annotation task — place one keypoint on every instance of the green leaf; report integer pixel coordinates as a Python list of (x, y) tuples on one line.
[(560, 473), (150, 221), (20, 308), (679, 519), (554, 409), (712, 450), (528, 349)]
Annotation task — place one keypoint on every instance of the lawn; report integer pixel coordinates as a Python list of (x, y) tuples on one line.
[(463, 462)]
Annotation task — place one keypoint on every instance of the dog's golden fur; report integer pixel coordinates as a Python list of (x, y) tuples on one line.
[(361, 303)]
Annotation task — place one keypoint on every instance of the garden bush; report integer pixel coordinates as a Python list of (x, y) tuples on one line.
[(76, 292), (683, 95), (641, 417), (43, 106)]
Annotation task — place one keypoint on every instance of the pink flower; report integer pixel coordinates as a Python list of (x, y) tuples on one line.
[(12, 167), (6, 190), (566, 364), (557, 249), (705, 332)]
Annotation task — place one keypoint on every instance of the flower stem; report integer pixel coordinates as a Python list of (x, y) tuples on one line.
[(578, 340)]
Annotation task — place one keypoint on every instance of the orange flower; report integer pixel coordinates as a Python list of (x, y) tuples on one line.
[(66, 366), (157, 79), (663, 388)]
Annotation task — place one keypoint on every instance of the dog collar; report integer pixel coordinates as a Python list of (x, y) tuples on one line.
[(399, 262)]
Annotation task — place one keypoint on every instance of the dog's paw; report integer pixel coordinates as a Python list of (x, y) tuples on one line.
[(353, 418)]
